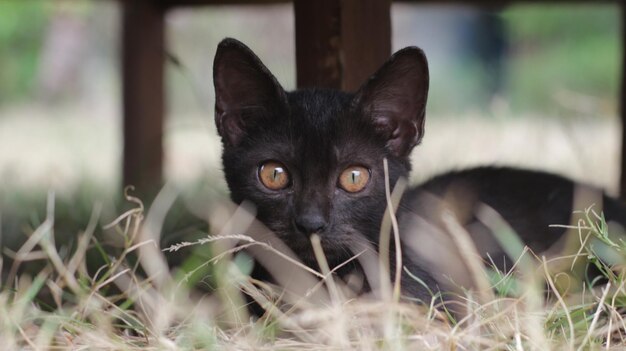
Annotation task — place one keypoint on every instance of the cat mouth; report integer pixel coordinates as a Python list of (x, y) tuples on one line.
[(335, 248)]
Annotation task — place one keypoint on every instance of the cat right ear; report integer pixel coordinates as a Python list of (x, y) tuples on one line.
[(245, 90), (394, 100)]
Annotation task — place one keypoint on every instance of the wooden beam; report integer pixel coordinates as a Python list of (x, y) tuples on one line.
[(486, 3), (176, 3), (500, 4), (143, 93), (339, 43), (482, 3)]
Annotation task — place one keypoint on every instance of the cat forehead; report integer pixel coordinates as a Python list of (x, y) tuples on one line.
[(319, 128), (321, 120), (318, 108)]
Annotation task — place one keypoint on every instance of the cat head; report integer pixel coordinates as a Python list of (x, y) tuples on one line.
[(312, 160)]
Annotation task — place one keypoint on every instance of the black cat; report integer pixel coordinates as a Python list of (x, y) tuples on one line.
[(312, 162)]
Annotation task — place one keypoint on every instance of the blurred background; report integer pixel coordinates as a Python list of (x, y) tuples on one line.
[(533, 85)]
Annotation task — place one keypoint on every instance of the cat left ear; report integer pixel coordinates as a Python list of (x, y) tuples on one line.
[(394, 100), (246, 92)]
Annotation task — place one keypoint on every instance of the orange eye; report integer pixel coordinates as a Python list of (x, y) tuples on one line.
[(274, 175), (354, 178)]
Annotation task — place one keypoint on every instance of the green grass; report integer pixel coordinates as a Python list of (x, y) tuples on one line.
[(22, 28), (574, 48), (557, 58)]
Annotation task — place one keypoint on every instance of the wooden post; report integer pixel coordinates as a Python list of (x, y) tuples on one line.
[(317, 43), (143, 93), (622, 104), (365, 38), (339, 43)]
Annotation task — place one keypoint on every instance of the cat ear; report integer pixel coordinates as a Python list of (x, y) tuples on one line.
[(245, 90), (394, 100)]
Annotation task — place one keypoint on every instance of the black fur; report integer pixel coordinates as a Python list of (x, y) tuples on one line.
[(316, 134)]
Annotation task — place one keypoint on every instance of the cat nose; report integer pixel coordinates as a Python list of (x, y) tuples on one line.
[(310, 223)]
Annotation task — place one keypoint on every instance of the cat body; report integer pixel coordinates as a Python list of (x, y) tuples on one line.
[(311, 161)]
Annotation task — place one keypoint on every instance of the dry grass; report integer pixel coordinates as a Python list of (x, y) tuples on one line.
[(135, 301)]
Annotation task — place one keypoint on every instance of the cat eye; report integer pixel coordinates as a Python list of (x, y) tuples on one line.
[(273, 175), (354, 178)]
